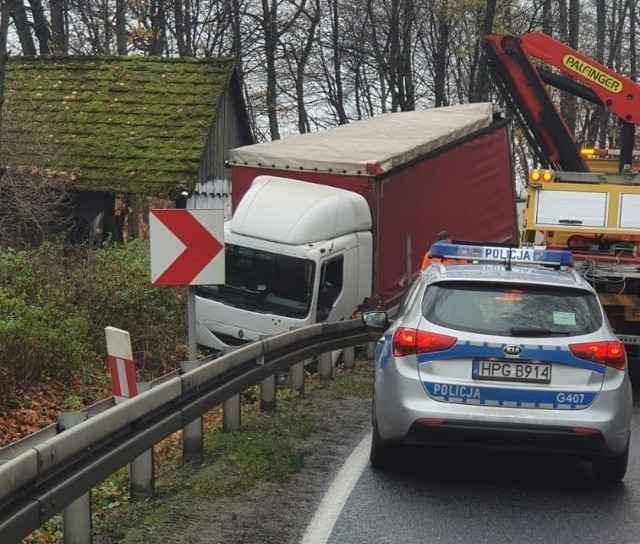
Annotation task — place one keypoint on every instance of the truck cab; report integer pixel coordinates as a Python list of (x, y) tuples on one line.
[(296, 254)]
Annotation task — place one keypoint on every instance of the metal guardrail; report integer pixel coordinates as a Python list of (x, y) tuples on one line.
[(49, 470)]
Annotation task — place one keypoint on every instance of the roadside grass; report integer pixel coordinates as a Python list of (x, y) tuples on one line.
[(266, 448)]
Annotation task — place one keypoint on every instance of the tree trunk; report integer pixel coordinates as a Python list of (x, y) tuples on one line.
[(121, 27), (41, 27), (58, 33), (481, 90), (547, 18), (180, 28), (596, 123), (22, 28), (301, 65), (568, 102), (440, 64), (5, 13), (381, 64), (337, 63), (269, 25), (158, 27), (633, 58), (563, 21), (409, 103)]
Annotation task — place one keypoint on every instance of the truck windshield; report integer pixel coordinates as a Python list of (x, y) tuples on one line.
[(264, 282)]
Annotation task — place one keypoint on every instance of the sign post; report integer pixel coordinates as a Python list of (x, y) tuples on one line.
[(187, 248)]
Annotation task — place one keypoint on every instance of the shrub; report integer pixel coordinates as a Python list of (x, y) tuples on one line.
[(56, 301)]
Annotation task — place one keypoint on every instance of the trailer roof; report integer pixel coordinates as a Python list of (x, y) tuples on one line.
[(370, 146)]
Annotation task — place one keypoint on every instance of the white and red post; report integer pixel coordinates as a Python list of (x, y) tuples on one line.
[(120, 361)]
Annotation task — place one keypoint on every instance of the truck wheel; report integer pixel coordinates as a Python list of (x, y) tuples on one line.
[(611, 470), (382, 452)]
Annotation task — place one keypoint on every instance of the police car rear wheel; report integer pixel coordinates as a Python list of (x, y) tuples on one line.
[(611, 470), (382, 452)]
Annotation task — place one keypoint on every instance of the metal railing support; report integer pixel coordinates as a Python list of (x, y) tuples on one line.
[(349, 357), (267, 387), (371, 350), (268, 393), (192, 433), (76, 517), (325, 366), (296, 375), (141, 469), (231, 413)]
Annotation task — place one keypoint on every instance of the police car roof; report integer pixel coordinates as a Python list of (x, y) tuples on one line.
[(517, 274)]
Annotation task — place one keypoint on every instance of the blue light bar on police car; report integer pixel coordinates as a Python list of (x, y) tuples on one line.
[(524, 255)]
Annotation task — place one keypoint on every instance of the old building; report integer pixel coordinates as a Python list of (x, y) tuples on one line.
[(115, 129)]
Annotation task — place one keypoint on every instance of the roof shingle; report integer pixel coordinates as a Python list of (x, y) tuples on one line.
[(120, 124)]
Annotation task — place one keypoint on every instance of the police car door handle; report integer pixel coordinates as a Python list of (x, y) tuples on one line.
[(570, 221)]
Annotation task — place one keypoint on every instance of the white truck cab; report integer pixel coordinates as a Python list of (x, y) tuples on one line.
[(297, 253)]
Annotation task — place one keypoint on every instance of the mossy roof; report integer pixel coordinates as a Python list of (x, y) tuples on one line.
[(112, 124)]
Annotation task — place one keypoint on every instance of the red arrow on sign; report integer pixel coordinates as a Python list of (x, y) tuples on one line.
[(201, 247)]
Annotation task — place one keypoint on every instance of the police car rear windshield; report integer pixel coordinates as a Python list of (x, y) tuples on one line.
[(514, 310)]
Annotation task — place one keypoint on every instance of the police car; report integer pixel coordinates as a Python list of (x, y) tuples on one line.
[(510, 350)]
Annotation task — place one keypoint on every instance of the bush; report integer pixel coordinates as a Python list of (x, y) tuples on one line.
[(55, 302)]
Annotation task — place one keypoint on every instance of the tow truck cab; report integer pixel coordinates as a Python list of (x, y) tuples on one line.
[(597, 217)]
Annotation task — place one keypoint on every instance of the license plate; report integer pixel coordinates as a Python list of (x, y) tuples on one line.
[(511, 371)]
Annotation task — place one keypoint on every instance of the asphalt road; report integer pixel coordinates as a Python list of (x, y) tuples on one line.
[(449, 497)]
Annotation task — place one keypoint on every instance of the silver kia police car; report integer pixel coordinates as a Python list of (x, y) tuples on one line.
[(508, 349)]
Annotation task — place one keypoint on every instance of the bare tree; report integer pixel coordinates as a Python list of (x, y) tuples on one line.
[(23, 28), (59, 44), (297, 54), (157, 36), (121, 27), (273, 28), (568, 102), (337, 98), (5, 14), (480, 91), (41, 26)]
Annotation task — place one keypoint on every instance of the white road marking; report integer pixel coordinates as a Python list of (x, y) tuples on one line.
[(319, 530)]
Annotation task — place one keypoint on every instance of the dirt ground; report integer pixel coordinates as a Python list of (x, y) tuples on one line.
[(276, 513)]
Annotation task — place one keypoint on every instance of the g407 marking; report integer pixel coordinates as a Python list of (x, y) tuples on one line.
[(570, 398)]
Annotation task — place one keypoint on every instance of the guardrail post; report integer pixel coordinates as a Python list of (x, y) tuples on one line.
[(325, 366), (231, 413), (267, 390), (141, 469), (349, 357), (371, 350), (192, 434), (76, 517), (296, 375)]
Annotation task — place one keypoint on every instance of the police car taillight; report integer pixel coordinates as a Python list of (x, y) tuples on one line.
[(412, 341), (606, 353)]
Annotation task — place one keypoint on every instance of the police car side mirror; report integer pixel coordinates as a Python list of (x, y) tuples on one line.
[(376, 320)]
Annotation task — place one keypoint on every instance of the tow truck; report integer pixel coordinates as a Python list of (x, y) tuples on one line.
[(578, 199)]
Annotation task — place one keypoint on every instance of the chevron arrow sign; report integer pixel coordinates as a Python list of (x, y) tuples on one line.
[(187, 246)]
